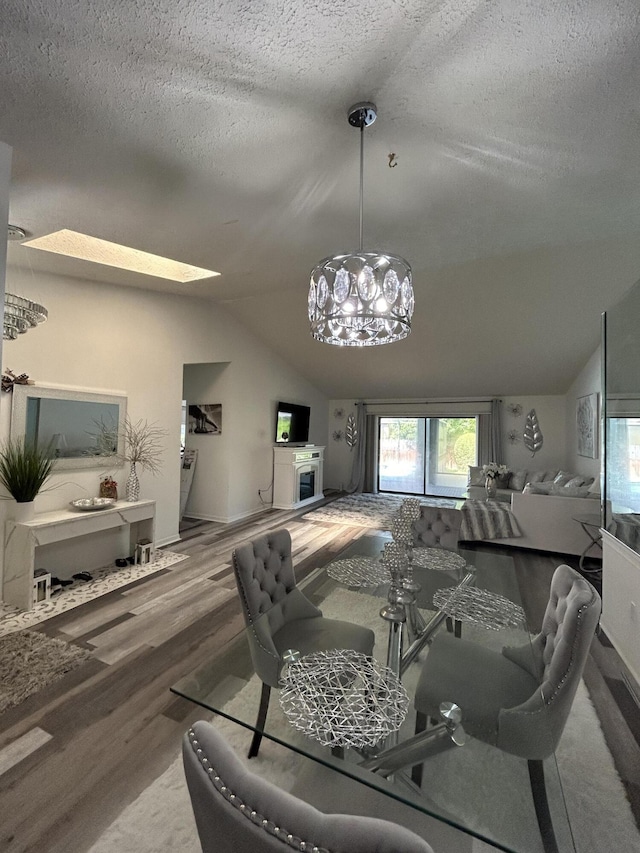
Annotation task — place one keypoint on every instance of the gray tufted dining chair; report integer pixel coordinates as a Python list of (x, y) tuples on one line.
[(437, 527), (236, 811), (519, 699), (279, 617)]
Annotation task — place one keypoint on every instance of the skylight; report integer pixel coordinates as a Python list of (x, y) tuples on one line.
[(86, 248)]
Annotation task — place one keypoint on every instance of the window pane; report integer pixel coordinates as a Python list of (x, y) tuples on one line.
[(401, 461)]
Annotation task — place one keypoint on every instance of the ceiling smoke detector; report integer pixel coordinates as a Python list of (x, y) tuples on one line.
[(16, 233)]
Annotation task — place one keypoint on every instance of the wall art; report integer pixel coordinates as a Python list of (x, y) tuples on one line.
[(532, 437), (205, 418), (587, 426), (351, 434)]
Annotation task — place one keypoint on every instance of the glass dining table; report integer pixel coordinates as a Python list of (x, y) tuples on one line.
[(470, 786)]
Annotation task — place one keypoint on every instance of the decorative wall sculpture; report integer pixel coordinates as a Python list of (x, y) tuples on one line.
[(532, 433), (351, 434)]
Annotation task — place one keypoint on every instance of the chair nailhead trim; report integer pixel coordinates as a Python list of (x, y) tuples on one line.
[(252, 815)]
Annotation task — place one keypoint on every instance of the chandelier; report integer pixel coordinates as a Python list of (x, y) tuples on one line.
[(20, 314), (361, 299)]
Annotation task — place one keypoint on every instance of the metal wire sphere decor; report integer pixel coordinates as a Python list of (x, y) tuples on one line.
[(343, 698)]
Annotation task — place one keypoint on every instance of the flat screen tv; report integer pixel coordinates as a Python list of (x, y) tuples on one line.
[(292, 423)]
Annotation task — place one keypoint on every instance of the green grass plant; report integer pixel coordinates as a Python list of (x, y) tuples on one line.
[(24, 469)]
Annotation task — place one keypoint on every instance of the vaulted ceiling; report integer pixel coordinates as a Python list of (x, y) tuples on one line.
[(216, 134)]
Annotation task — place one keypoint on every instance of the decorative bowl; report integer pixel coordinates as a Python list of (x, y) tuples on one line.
[(92, 504)]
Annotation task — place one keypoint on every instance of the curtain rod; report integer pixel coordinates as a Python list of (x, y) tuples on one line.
[(433, 402)]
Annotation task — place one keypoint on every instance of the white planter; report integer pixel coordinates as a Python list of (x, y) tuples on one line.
[(22, 511)]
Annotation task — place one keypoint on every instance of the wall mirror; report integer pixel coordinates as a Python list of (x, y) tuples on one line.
[(621, 383), (68, 421)]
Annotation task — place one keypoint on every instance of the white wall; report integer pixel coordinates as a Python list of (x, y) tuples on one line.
[(588, 381), (338, 458), (100, 337)]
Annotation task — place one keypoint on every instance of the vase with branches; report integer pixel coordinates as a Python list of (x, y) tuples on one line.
[(142, 446)]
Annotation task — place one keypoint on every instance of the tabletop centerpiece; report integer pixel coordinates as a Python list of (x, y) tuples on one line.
[(491, 471)]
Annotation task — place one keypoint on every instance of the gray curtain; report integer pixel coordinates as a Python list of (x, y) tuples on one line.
[(490, 435), (496, 431), (359, 466)]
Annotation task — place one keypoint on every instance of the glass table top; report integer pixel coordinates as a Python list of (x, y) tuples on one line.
[(473, 787)]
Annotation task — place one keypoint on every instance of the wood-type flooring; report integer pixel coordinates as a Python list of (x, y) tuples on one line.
[(75, 754)]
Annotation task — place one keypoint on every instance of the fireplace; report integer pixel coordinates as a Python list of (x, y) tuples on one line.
[(297, 476), (306, 484)]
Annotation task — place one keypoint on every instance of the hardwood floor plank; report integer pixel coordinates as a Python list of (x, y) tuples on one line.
[(18, 749)]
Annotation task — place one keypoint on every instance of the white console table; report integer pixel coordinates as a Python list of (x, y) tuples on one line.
[(22, 539), (297, 476)]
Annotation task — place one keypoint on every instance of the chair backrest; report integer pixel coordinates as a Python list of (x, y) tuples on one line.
[(239, 812), (560, 652), (437, 527), (266, 583), (264, 572)]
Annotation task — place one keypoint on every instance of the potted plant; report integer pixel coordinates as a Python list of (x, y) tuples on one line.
[(24, 469)]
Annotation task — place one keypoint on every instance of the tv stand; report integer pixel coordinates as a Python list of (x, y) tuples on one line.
[(297, 476)]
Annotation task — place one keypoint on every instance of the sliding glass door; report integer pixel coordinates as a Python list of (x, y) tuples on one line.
[(426, 456)]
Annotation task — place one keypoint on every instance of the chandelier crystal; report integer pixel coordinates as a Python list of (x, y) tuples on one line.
[(361, 299), (20, 315)]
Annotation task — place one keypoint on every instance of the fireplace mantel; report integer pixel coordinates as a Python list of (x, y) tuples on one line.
[(297, 476)]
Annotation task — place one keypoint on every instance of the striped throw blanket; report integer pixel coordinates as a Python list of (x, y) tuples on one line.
[(487, 520)]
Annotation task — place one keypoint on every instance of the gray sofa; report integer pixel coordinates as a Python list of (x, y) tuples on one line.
[(544, 510), (538, 482)]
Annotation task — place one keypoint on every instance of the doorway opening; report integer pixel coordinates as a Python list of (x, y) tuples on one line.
[(426, 456)]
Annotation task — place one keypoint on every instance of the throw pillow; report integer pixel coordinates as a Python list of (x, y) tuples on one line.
[(539, 488), (570, 491), (574, 482), (517, 480), (562, 478), (594, 488), (476, 478), (537, 476), (549, 476), (502, 482)]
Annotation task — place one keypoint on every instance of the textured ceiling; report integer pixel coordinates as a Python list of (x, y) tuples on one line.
[(216, 134)]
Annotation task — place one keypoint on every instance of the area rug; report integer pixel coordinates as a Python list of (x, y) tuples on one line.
[(30, 661), (104, 580), (493, 786), (368, 510)]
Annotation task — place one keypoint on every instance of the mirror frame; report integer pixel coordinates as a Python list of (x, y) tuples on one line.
[(22, 393)]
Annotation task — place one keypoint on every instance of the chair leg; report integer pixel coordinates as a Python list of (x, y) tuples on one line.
[(262, 718), (416, 770), (541, 803)]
